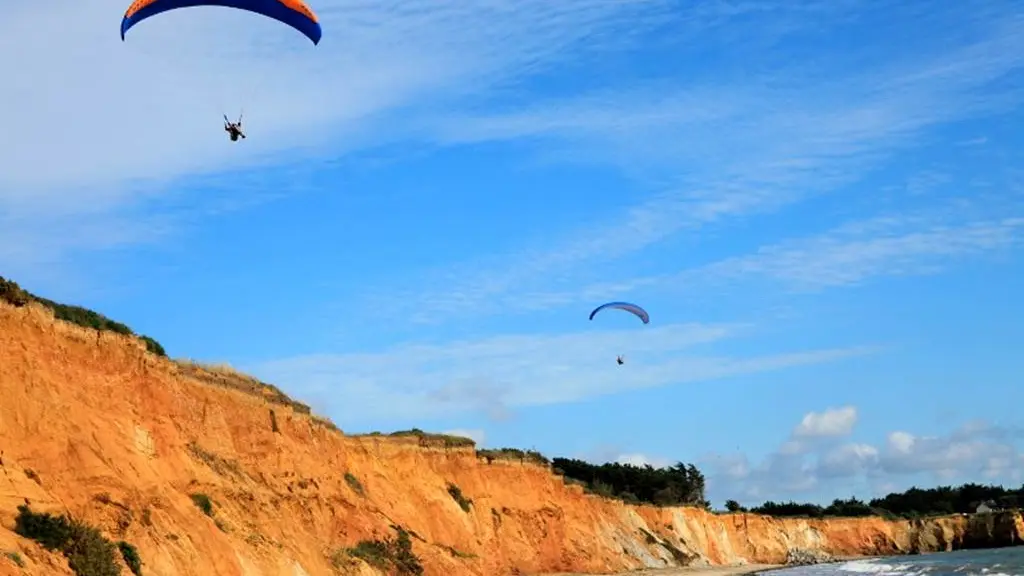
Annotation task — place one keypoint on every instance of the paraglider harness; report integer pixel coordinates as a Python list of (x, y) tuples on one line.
[(233, 128), (620, 360)]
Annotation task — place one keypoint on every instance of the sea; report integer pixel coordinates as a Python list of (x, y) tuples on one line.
[(989, 562)]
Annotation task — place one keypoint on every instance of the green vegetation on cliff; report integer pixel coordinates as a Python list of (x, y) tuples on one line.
[(392, 554), (429, 438), (88, 552), (15, 295), (531, 456)]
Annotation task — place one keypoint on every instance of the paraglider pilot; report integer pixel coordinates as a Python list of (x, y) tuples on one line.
[(631, 308), (234, 129)]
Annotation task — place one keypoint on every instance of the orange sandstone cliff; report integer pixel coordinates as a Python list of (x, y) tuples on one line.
[(94, 426)]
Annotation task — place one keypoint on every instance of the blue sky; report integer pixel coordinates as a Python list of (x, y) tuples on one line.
[(820, 204)]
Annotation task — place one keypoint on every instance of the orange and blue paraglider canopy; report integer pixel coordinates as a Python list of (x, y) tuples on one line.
[(294, 13)]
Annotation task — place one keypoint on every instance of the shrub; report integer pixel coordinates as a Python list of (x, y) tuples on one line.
[(52, 532), (84, 317), (390, 553), (456, 493), (202, 501), (131, 557), (13, 294), (88, 552), (16, 558), (354, 483), (153, 346), (373, 552), (404, 559), (734, 506)]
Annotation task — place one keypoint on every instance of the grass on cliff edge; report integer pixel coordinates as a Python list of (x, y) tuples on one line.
[(222, 374), (217, 374), (426, 438), (17, 296), (225, 375), (451, 441)]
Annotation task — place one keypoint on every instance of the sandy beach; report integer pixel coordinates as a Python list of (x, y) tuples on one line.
[(692, 571)]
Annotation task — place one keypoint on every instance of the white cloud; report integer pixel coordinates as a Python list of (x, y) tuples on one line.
[(787, 470), (495, 374), (848, 460), (901, 442), (746, 149), (831, 422), (976, 451)]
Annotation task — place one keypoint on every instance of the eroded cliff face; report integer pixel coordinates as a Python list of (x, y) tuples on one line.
[(92, 425)]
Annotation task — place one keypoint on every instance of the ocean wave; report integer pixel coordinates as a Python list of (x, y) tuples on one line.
[(880, 568)]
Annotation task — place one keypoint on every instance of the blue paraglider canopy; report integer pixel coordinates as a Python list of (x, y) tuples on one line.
[(627, 306)]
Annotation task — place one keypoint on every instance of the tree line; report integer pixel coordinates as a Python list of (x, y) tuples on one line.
[(677, 485), (912, 503), (684, 485)]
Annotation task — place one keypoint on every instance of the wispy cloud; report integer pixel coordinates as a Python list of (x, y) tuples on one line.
[(849, 255), (95, 127), (150, 107), (745, 149), (911, 244), (496, 374)]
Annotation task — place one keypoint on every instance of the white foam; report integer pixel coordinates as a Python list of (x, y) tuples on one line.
[(876, 567)]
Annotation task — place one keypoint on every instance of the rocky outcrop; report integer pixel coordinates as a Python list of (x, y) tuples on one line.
[(94, 426), (992, 530), (804, 557)]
